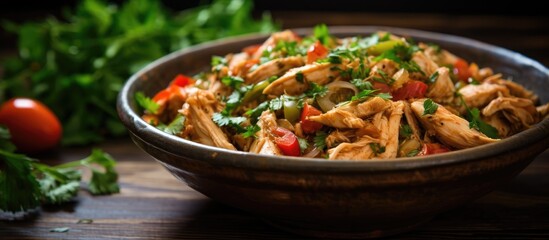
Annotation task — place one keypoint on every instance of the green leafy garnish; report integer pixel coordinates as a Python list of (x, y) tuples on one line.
[(405, 131), (429, 107), (385, 96), (299, 77), (413, 153), (433, 77), (276, 103), (176, 126), (322, 34), (77, 67), (364, 94), (473, 115), (250, 131), (146, 103), (319, 140), (316, 90), (376, 148), (20, 191), (303, 144), (361, 84), (231, 81), (223, 120)]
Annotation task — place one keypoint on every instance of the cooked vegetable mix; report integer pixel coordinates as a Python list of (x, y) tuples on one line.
[(355, 98)]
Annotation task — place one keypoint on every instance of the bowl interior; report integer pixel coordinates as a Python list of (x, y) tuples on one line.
[(156, 76)]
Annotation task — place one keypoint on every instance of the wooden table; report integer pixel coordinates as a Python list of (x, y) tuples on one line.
[(154, 205)]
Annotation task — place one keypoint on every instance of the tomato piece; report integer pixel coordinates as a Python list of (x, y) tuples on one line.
[(182, 81), (315, 52), (432, 148), (411, 89), (287, 142), (33, 126), (381, 87), (461, 70), (166, 94), (250, 50), (307, 125)]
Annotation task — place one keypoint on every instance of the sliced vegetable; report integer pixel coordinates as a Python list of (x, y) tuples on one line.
[(315, 52), (461, 70), (381, 47), (334, 94), (182, 81), (256, 91), (307, 125), (287, 142), (291, 110), (411, 89), (432, 148)]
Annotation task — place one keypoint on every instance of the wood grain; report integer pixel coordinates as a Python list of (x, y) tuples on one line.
[(154, 205)]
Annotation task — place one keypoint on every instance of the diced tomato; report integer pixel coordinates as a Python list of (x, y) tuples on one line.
[(287, 142), (307, 125), (432, 148), (411, 89), (461, 70), (316, 51), (182, 81), (250, 50), (166, 93), (381, 87)]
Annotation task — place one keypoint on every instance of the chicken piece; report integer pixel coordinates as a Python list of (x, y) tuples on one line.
[(449, 128), (359, 150), (274, 67), (236, 63), (198, 110), (477, 96), (389, 67), (520, 112), (286, 35), (264, 144), (443, 89), (336, 137), (389, 135), (426, 64), (440, 56), (515, 89), (501, 124), (349, 115), (296, 81)]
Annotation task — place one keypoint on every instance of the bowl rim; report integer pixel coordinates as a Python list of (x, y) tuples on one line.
[(224, 157)]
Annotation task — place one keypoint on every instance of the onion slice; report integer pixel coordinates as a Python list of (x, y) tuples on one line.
[(325, 102)]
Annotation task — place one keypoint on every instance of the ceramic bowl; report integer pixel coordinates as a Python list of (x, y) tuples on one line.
[(340, 199)]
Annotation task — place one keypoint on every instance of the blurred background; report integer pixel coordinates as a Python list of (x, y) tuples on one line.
[(503, 24)]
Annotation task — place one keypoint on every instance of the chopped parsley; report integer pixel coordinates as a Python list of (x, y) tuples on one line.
[(316, 90), (146, 103), (276, 103), (429, 107), (218, 63), (433, 77), (405, 131), (299, 77), (385, 96), (363, 95), (224, 120), (232, 81), (473, 115), (319, 140), (176, 126), (303, 144), (402, 55), (361, 84), (250, 131), (412, 153), (376, 148)]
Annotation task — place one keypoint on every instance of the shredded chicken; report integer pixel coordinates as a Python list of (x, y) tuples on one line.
[(519, 112), (477, 96), (359, 150), (295, 81), (264, 144), (198, 110), (386, 66), (389, 137), (274, 67), (449, 128), (350, 115), (426, 64), (442, 90), (514, 88), (336, 137)]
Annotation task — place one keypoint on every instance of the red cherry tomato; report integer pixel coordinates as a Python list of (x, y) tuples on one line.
[(381, 87), (287, 142), (315, 52), (182, 80), (461, 70), (411, 89), (432, 148), (307, 125), (32, 125)]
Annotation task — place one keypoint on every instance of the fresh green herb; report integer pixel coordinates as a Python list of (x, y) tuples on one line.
[(288, 49), (433, 77), (218, 63), (412, 153), (429, 107), (25, 183), (322, 34), (299, 77), (332, 58), (376, 148), (256, 112), (363, 95), (232, 81), (405, 131), (361, 84), (320, 140), (303, 144), (384, 78), (176, 126), (5, 142), (473, 115), (99, 47), (250, 131), (385, 96), (146, 103), (402, 55), (60, 230), (232, 102), (276, 103), (85, 221), (316, 90), (385, 37), (223, 120), (473, 81), (435, 47)]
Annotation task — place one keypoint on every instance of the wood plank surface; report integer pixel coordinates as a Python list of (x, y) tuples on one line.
[(154, 205)]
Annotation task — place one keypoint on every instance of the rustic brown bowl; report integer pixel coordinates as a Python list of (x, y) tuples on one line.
[(342, 199)]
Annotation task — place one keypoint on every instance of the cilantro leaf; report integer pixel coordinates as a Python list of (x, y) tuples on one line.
[(105, 182), (361, 84), (433, 77), (320, 139), (224, 120), (429, 107), (322, 34), (232, 81), (316, 90), (376, 148), (58, 185), (299, 77), (19, 187), (473, 115), (385, 96), (276, 103), (146, 103), (176, 126), (5, 142), (405, 130), (250, 131), (363, 94), (256, 112), (303, 144), (413, 153)]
